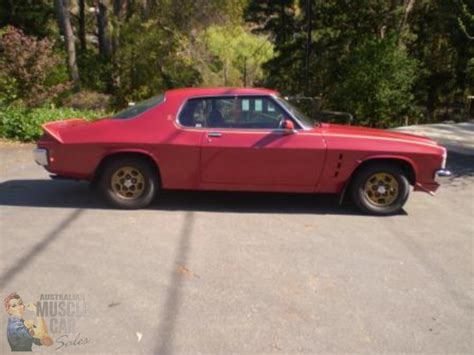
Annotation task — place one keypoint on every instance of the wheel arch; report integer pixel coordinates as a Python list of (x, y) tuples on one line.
[(137, 154), (406, 164)]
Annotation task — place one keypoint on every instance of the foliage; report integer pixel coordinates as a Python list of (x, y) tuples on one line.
[(147, 61), (236, 56), (374, 83), (315, 42), (443, 49), (8, 91), (466, 21), (25, 123), (29, 69), (95, 71), (379, 60), (87, 100), (33, 17)]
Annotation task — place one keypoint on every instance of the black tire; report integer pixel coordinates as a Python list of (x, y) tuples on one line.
[(148, 184), (383, 207)]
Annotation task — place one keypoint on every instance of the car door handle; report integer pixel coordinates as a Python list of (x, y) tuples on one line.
[(214, 134)]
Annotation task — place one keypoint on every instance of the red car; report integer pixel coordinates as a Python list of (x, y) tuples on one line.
[(237, 140)]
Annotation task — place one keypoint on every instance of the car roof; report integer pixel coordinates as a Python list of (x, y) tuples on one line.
[(215, 91)]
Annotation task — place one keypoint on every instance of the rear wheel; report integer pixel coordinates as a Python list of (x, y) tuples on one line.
[(380, 189), (129, 183)]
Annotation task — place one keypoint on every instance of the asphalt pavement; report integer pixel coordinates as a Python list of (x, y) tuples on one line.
[(239, 272)]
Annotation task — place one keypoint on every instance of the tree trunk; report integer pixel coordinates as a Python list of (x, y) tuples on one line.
[(129, 6), (408, 6), (118, 8), (62, 10), (123, 8), (309, 14), (102, 25), (82, 25), (147, 7), (12, 9)]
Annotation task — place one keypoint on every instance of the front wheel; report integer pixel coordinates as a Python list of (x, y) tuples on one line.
[(129, 183), (380, 189)]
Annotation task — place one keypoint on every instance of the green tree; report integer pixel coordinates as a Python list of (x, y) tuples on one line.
[(33, 17), (315, 40), (444, 50), (375, 83), (147, 61), (232, 56)]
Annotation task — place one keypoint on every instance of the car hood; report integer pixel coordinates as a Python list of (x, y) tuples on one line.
[(328, 129)]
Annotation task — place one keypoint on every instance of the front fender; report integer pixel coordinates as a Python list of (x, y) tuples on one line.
[(406, 159), (374, 158)]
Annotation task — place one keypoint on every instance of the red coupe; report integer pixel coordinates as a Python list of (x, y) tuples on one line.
[(237, 139)]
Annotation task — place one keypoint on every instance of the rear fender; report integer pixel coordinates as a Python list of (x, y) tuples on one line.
[(125, 151)]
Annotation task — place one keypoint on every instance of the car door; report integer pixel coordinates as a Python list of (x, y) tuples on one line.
[(243, 147)]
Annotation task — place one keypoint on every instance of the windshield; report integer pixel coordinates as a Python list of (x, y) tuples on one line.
[(301, 117), (140, 107)]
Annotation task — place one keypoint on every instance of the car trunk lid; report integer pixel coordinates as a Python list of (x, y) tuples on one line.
[(57, 128)]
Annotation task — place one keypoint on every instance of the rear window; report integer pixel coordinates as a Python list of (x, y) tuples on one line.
[(140, 107)]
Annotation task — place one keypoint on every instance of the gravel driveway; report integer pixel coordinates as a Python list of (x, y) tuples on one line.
[(225, 272)]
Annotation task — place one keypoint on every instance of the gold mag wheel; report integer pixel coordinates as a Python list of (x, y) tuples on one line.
[(128, 182), (381, 189)]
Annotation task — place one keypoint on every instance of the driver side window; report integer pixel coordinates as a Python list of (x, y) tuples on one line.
[(258, 112)]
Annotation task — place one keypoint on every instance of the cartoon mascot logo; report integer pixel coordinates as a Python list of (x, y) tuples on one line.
[(21, 333)]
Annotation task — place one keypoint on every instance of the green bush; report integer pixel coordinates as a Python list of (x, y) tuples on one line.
[(87, 100), (25, 124)]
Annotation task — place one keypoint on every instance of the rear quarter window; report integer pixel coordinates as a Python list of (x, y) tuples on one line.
[(140, 107)]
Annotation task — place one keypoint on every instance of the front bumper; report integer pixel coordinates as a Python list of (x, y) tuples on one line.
[(40, 155), (431, 187), (440, 174)]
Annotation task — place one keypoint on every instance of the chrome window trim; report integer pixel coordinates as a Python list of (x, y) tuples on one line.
[(270, 96), (303, 128)]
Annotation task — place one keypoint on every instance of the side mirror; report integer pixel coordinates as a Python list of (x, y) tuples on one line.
[(289, 126)]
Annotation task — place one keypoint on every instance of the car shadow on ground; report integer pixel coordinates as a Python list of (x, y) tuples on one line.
[(461, 165), (72, 194)]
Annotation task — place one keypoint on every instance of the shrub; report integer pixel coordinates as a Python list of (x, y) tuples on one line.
[(87, 100), (25, 123), (38, 72)]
